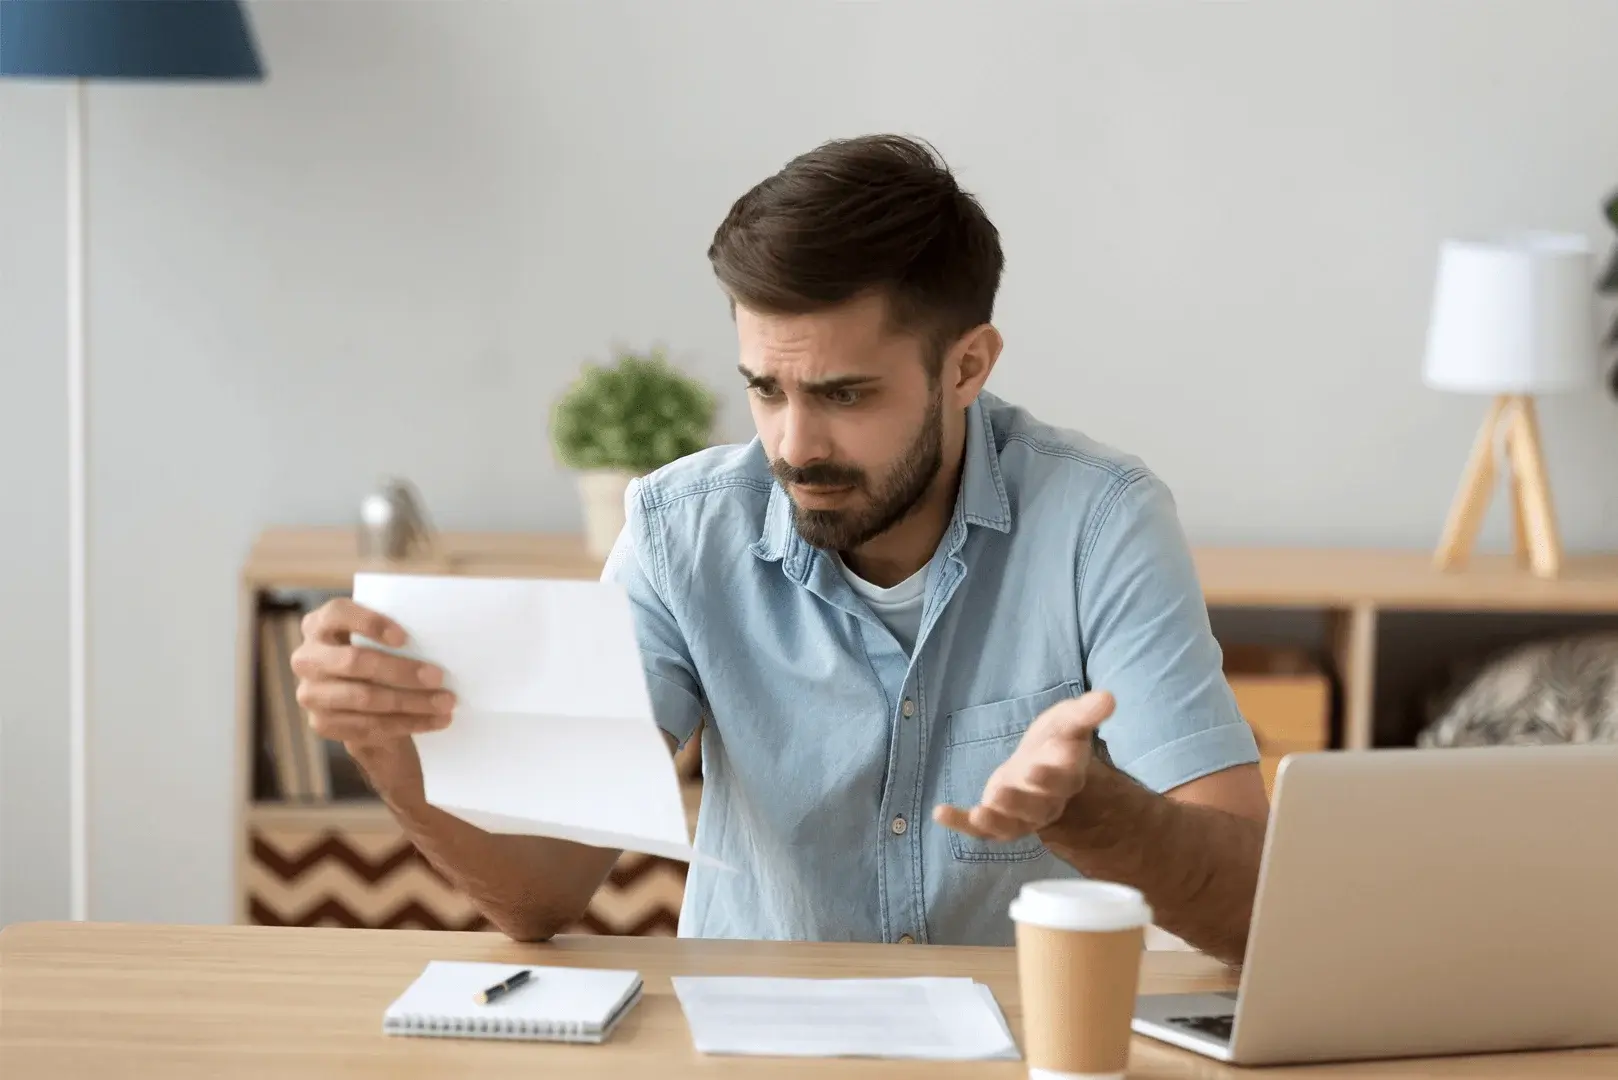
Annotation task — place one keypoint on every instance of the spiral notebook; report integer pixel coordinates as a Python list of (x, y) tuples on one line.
[(562, 1004)]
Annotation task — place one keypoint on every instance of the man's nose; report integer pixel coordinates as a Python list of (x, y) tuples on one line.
[(803, 440)]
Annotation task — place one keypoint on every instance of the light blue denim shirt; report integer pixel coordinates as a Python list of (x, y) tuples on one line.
[(826, 747)]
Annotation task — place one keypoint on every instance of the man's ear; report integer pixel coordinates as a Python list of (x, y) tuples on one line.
[(970, 362)]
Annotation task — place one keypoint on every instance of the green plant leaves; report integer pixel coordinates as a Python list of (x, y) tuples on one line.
[(1609, 278), (636, 414)]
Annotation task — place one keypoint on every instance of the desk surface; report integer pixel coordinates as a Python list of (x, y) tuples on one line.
[(250, 1002)]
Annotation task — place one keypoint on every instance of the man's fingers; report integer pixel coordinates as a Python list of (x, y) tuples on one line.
[(1021, 806), (336, 619), (354, 694), (1076, 718), (1057, 781), (974, 822), (997, 825), (1061, 763), (353, 727), (1029, 791), (316, 659), (952, 817), (348, 695)]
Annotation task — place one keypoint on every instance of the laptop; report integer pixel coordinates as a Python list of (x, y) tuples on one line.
[(1423, 902)]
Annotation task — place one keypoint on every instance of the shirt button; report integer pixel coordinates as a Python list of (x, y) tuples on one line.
[(899, 826), (908, 708), (906, 939)]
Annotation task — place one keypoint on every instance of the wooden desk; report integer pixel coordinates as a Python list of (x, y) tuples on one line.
[(102, 1000)]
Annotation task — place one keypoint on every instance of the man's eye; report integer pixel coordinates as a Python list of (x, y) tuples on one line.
[(765, 392), (843, 397)]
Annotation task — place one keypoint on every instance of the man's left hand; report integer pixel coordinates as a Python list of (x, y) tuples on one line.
[(1031, 788)]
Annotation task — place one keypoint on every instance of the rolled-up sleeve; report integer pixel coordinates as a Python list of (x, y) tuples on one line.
[(1147, 641), (671, 679)]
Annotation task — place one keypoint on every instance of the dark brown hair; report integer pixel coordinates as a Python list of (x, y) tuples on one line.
[(878, 213)]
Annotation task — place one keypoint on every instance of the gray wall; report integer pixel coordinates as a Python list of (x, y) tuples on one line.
[(1220, 218)]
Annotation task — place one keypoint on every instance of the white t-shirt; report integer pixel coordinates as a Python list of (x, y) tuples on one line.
[(899, 607)]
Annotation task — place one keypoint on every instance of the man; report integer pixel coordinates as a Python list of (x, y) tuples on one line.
[(940, 648)]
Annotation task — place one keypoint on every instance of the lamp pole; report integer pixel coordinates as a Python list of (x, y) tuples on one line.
[(78, 502), (187, 40)]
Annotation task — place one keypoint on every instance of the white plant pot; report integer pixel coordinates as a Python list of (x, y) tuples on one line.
[(601, 494)]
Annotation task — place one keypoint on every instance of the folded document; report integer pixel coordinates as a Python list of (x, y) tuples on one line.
[(553, 733), (925, 1018)]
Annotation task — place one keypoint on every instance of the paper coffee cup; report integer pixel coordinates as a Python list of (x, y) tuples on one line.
[(1079, 946)]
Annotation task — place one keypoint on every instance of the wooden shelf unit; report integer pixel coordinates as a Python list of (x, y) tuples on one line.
[(346, 861), (1346, 594), (1346, 577), (1352, 590)]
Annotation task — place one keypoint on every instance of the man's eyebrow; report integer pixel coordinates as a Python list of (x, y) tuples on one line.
[(813, 386), (754, 380)]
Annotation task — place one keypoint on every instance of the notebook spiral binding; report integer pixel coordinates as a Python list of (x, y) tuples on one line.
[(510, 1027)]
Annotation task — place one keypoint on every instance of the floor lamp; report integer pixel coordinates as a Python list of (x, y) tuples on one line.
[(1513, 318), (104, 39)]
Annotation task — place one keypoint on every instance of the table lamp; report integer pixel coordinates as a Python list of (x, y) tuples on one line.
[(1512, 317), (104, 39)]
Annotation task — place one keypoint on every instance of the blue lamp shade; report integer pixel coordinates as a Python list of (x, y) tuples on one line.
[(127, 39)]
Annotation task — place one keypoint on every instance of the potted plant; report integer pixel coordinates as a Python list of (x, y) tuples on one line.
[(622, 420)]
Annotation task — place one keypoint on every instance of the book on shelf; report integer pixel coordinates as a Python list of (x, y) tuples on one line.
[(296, 764)]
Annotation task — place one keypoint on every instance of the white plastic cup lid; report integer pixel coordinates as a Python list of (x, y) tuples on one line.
[(1097, 906)]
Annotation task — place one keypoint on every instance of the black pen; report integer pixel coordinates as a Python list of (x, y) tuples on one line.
[(503, 988)]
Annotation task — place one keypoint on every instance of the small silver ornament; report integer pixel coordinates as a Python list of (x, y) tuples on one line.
[(393, 523)]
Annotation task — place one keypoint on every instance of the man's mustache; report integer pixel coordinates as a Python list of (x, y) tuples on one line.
[(820, 474)]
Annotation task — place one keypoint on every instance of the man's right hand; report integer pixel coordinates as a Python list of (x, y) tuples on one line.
[(372, 701), (365, 698)]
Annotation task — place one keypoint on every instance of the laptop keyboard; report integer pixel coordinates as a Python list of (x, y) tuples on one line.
[(1217, 1026)]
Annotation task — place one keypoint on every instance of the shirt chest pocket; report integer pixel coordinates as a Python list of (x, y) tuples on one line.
[(978, 740)]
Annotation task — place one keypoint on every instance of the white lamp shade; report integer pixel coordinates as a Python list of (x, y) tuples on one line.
[(1515, 315)]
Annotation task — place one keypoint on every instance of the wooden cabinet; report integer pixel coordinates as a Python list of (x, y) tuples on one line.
[(1285, 697), (314, 847)]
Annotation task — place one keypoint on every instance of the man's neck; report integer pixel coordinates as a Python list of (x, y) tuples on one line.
[(888, 559)]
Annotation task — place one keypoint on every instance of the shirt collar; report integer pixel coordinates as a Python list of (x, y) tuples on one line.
[(982, 499)]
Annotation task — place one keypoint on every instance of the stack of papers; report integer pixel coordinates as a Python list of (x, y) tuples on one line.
[(553, 733), (927, 1018)]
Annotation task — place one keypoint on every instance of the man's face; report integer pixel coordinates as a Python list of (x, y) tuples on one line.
[(845, 409)]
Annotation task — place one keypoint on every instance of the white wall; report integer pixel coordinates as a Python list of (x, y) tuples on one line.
[(1220, 221)]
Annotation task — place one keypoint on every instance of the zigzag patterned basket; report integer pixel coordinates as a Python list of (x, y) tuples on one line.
[(370, 876)]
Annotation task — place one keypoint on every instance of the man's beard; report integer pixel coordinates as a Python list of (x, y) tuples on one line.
[(889, 503)]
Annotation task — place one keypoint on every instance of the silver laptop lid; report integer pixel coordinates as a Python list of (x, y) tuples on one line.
[(1435, 901)]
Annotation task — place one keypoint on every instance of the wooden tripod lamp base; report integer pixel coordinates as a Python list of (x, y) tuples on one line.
[(1512, 424)]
